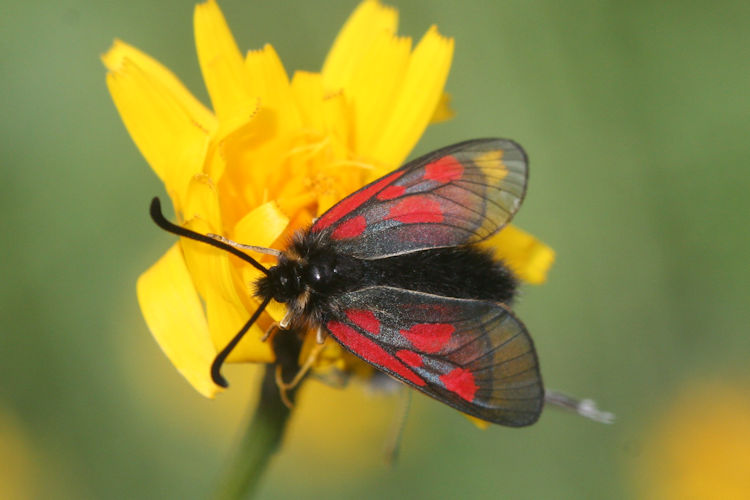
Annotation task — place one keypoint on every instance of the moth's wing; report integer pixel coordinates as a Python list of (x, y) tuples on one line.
[(473, 355), (460, 194)]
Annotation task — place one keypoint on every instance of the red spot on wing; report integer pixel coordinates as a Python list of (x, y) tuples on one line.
[(349, 229), (446, 169), (366, 320), (460, 381), (416, 209), (391, 192), (352, 202), (429, 337), (411, 358), (371, 351)]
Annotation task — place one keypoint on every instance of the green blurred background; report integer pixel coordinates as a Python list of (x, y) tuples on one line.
[(636, 118)]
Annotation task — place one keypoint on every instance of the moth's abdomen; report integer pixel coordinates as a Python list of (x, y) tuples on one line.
[(465, 272)]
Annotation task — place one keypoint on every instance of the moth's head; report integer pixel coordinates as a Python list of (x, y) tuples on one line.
[(283, 283)]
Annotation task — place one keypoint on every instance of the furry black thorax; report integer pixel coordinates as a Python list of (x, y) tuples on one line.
[(311, 274)]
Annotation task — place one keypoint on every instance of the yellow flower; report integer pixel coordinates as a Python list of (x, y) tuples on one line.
[(700, 447), (20, 472), (272, 155)]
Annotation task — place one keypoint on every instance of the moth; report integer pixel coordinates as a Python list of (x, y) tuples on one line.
[(394, 273)]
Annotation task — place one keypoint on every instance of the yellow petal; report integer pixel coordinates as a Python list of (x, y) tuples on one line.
[(228, 300), (276, 310), (268, 81), (229, 303), (226, 319), (262, 226), (20, 469), (374, 88), (210, 267), (296, 195), (330, 357), (528, 257), (307, 89), (699, 451), (443, 111), (201, 202), (367, 22), (327, 114), (174, 314), (221, 61), (327, 200), (121, 51), (419, 95), (481, 424), (171, 129), (338, 122), (254, 157)]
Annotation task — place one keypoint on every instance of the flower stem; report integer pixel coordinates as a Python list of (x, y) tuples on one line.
[(261, 440)]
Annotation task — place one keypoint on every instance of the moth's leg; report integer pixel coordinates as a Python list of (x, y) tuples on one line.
[(286, 320), (269, 331), (303, 370), (282, 389)]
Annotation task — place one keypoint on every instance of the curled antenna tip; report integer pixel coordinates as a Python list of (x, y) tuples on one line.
[(216, 375), (224, 353), (155, 206), (168, 226)]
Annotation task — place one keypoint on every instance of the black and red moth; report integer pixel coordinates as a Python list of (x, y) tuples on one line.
[(394, 274)]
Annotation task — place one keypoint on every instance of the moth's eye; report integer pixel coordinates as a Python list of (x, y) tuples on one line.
[(283, 281)]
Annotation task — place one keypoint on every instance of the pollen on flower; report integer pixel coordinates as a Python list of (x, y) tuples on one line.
[(320, 182)]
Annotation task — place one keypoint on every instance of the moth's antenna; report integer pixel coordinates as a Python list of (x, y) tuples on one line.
[(222, 356), (163, 223), (242, 246)]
